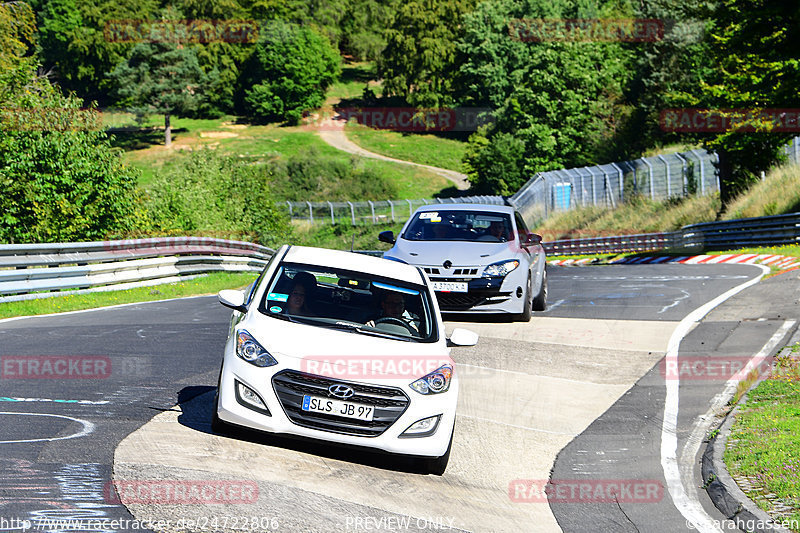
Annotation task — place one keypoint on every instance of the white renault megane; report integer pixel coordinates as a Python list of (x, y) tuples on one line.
[(345, 348)]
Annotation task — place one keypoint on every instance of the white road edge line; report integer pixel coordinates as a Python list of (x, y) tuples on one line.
[(704, 422), (88, 427), (690, 508)]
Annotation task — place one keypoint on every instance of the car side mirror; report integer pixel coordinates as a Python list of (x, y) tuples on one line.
[(387, 237), (462, 337), (533, 239), (233, 299)]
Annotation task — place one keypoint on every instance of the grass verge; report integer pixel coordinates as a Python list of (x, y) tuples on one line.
[(426, 149), (208, 284), (763, 450)]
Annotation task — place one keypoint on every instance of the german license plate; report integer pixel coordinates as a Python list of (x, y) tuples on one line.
[(328, 406), (449, 286)]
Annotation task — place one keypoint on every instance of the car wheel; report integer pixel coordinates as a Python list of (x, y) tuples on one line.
[(437, 465), (527, 307), (540, 302)]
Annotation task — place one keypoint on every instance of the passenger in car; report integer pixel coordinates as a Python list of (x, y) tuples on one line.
[(300, 293), (497, 229), (393, 305)]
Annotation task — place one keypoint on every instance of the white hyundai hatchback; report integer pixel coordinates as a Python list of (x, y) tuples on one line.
[(345, 348)]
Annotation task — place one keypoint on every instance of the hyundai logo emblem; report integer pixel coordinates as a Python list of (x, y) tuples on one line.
[(341, 391), (447, 264)]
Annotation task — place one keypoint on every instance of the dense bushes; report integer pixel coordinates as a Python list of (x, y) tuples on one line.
[(211, 194), (60, 177), (311, 177)]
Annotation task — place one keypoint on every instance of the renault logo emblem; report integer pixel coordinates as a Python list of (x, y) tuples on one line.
[(447, 264), (340, 391)]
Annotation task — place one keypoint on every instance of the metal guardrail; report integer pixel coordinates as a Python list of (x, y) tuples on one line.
[(28, 268), (744, 232), (644, 242)]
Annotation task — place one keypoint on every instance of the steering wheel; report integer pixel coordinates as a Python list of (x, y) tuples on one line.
[(398, 321)]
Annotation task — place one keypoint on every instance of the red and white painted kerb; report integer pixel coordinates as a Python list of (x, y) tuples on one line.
[(781, 262)]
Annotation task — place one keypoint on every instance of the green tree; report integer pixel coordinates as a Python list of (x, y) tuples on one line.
[(60, 177), (164, 77), (562, 102), (79, 45), (289, 73), (757, 66), (421, 55), (17, 34), (666, 68)]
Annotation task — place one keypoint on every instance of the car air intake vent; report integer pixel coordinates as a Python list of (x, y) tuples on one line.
[(291, 386), (431, 270), (465, 271)]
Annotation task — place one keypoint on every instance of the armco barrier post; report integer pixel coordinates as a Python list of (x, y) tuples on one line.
[(310, 213), (333, 220), (352, 213)]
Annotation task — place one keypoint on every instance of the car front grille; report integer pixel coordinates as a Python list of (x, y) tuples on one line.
[(291, 386), (460, 271)]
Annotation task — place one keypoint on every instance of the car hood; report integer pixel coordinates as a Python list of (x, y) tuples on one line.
[(459, 253)]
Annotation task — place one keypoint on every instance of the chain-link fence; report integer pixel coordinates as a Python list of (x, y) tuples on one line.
[(372, 212), (659, 177)]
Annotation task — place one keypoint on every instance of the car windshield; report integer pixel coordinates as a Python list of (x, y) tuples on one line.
[(357, 302), (452, 225)]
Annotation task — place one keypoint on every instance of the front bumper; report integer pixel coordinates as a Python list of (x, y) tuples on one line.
[(281, 388), (486, 295)]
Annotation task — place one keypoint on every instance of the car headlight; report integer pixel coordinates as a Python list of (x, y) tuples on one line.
[(434, 383), (500, 269), (251, 351)]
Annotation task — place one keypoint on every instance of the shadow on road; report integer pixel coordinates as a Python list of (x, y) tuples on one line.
[(197, 404)]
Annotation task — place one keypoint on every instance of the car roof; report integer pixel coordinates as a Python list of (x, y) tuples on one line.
[(467, 207), (323, 257)]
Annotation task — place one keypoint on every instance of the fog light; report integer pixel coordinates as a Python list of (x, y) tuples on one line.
[(422, 428), (248, 397)]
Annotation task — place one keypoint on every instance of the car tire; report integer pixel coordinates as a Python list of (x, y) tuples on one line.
[(437, 465), (527, 307), (540, 302)]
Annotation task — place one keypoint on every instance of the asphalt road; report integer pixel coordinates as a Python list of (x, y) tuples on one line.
[(582, 377)]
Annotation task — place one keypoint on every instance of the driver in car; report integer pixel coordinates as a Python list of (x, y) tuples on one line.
[(393, 306)]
